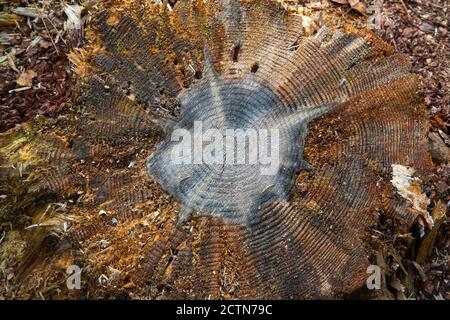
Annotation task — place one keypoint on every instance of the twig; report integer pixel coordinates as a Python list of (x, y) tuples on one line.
[(19, 90), (405, 7), (56, 29), (18, 27), (3, 236), (46, 29), (49, 35)]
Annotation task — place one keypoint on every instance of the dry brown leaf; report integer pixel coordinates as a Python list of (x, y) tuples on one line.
[(358, 5), (45, 44), (25, 79), (427, 243)]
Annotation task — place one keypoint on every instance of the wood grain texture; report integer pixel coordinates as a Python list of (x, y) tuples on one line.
[(347, 104)]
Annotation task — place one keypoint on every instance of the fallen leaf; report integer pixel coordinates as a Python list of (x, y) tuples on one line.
[(427, 244), (426, 27), (407, 32), (428, 287), (45, 44), (440, 122), (445, 137), (420, 271), (440, 152), (358, 6), (396, 284), (25, 79)]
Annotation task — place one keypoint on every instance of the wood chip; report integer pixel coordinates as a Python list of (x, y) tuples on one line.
[(25, 79)]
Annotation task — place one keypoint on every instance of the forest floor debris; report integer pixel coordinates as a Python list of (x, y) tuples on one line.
[(35, 75)]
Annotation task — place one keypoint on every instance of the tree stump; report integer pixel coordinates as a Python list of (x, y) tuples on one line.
[(352, 148)]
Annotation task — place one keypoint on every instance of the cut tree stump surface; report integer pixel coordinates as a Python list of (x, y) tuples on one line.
[(95, 187)]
